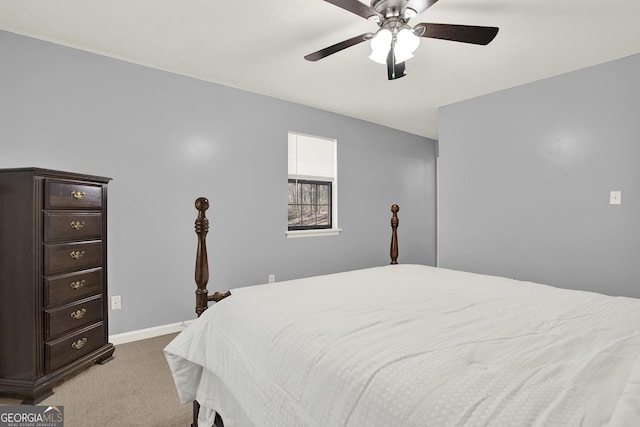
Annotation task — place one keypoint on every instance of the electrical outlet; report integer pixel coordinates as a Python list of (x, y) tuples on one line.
[(272, 278), (615, 197), (116, 302)]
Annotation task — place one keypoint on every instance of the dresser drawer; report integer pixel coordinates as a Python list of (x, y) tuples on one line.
[(71, 287), (71, 347), (72, 256), (72, 226), (61, 320), (67, 195)]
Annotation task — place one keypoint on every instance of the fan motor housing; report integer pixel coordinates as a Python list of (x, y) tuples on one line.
[(389, 8)]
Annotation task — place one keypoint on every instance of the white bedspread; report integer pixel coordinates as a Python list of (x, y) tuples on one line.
[(411, 345)]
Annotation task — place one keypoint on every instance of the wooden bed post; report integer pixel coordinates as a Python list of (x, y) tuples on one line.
[(394, 234), (202, 279), (202, 262)]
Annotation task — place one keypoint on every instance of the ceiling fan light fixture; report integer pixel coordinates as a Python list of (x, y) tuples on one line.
[(396, 41), (380, 46)]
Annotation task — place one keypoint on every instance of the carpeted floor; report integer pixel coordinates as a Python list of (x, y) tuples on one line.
[(133, 389)]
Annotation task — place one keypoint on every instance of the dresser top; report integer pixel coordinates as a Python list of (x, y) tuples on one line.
[(56, 174)]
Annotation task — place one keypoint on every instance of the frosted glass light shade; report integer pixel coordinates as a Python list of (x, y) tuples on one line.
[(380, 46), (406, 44)]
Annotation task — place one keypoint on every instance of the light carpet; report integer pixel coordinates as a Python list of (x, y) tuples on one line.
[(133, 389)]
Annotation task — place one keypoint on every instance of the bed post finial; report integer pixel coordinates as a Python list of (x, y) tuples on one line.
[(394, 234), (202, 263)]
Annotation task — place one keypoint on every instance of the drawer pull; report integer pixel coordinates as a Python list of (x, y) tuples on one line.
[(78, 195), (77, 225), (79, 344), (79, 314), (78, 284), (77, 254)]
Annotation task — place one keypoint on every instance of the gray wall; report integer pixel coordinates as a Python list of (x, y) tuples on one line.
[(525, 176), (167, 139)]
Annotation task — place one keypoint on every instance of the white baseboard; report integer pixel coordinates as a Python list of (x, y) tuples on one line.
[(142, 334)]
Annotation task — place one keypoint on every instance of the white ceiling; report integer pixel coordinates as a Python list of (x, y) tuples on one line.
[(259, 45)]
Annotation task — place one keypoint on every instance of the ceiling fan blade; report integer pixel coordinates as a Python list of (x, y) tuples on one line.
[(357, 7), (394, 71), (420, 5), (459, 33), (323, 53)]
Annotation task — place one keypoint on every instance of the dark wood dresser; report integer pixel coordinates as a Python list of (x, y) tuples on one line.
[(53, 279)]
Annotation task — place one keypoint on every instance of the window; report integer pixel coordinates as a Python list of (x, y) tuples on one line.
[(312, 184), (309, 204)]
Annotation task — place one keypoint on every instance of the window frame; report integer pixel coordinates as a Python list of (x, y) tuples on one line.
[(324, 231)]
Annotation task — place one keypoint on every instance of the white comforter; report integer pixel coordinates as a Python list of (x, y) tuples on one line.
[(411, 345)]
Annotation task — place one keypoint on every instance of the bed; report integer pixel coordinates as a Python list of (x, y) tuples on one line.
[(407, 345)]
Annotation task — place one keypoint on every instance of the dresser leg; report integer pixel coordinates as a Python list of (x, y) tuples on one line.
[(108, 356), (43, 394), (103, 361)]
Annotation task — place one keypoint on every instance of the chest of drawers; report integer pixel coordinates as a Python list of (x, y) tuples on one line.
[(53, 278)]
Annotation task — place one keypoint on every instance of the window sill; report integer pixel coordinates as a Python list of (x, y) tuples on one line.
[(313, 233)]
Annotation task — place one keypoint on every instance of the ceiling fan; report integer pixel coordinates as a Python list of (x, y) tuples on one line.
[(395, 41)]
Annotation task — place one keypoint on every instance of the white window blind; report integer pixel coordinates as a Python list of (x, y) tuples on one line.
[(312, 157)]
